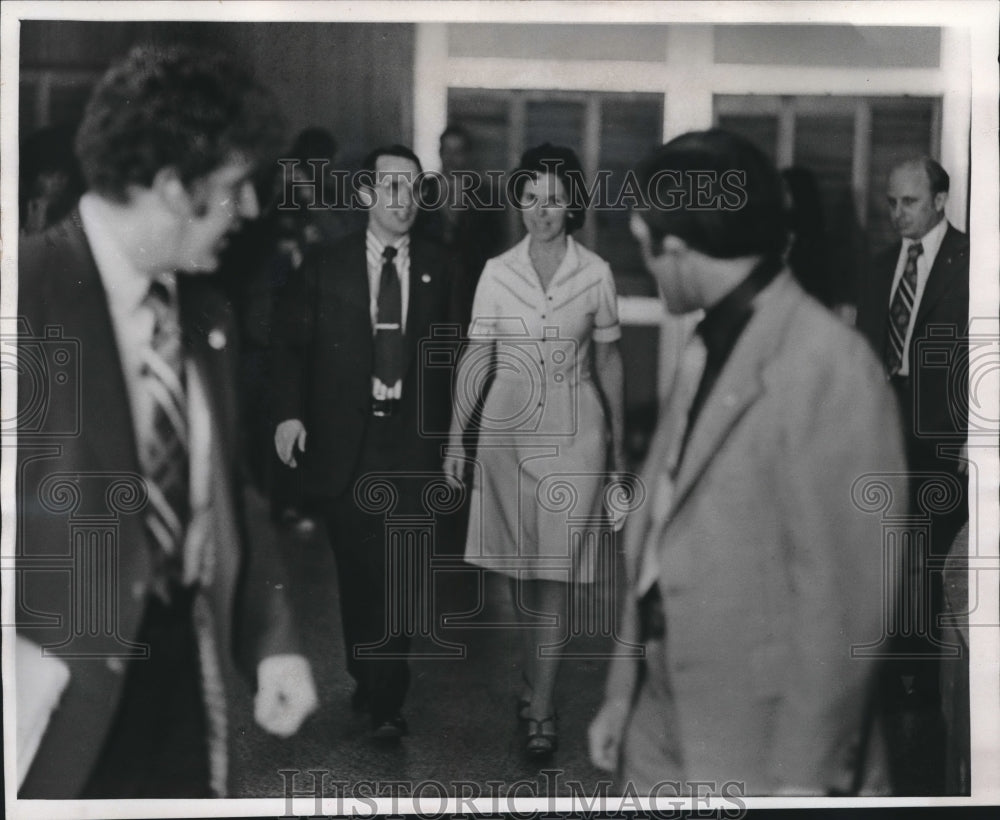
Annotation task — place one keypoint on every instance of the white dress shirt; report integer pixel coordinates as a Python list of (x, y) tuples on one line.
[(931, 242), (375, 247)]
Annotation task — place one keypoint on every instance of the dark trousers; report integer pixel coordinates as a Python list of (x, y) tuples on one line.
[(157, 744), (911, 695), (376, 589)]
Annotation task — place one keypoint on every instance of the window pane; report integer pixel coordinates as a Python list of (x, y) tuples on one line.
[(631, 127), (484, 114), (900, 129), (557, 121), (761, 130), (824, 146)]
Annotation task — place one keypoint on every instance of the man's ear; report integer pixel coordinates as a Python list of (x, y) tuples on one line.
[(171, 190), (940, 200)]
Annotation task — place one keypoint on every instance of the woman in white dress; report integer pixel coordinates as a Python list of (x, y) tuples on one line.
[(545, 323)]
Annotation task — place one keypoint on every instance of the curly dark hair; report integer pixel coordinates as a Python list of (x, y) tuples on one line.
[(565, 165), (173, 106)]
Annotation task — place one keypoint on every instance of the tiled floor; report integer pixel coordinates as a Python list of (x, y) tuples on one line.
[(460, 709)]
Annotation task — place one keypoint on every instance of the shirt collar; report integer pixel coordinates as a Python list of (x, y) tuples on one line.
[(725, 320), (931, 241), (570, 261), (377, 246), (125, 285)]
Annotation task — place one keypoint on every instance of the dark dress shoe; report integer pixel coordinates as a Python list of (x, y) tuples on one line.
[(542, 739), (389, 728)]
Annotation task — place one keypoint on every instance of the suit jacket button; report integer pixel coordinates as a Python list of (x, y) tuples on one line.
[(216, 338), (116, 665)]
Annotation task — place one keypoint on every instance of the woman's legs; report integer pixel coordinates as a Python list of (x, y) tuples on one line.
[(550, 600)]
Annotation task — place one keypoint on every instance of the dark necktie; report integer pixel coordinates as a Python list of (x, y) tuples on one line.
[(900, 310), (389, 323), (165, 443)]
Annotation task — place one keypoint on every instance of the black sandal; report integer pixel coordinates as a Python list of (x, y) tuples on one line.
[(540, 743)]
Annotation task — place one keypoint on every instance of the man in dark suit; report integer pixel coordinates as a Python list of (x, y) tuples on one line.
[(906, 305), (914, 308), (134, 570), (355, 400)]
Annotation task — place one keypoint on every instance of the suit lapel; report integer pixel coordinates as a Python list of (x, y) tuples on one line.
[(880, 300), (739, 384), (355, 284), (106, 423), (349, 277), (639, 523), (939, 278), (206, 329), (420, 307)]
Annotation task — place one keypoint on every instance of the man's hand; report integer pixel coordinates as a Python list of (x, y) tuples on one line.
[(606, 734), (286, 694), (290, 434)]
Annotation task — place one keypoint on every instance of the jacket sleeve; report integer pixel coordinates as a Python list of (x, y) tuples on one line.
[(843, 453), (264, 616), (292, 336)]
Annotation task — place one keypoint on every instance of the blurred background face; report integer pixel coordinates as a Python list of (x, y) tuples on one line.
[(544, 204), (220, 202), (913, 209), (394, 209), (454, 153)]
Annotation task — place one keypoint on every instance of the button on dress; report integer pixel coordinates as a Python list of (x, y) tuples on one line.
[(541, 463)]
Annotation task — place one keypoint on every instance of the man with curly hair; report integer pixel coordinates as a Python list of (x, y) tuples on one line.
[(146, 620)]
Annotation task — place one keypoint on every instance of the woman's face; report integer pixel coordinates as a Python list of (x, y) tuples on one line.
[(544, 206)]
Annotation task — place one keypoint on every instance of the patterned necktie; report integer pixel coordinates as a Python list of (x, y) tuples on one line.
[(900, 310), (389, 323), (165, 444)]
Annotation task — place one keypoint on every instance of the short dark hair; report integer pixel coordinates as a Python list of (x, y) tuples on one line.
[(565, 165), (756, 227), (173, 106), (313, 143), (936, 175), (396, 150)]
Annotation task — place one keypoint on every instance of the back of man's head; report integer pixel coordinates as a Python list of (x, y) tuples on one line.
[(173, 106), (718, 192)]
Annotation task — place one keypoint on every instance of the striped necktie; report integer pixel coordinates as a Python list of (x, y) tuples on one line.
[(165, 442), (389, 322), (900, 310)]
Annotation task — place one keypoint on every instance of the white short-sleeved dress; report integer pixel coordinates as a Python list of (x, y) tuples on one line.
[(541, 463)]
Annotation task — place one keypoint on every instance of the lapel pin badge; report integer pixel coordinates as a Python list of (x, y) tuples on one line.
[(426, 278), (216, 338)]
